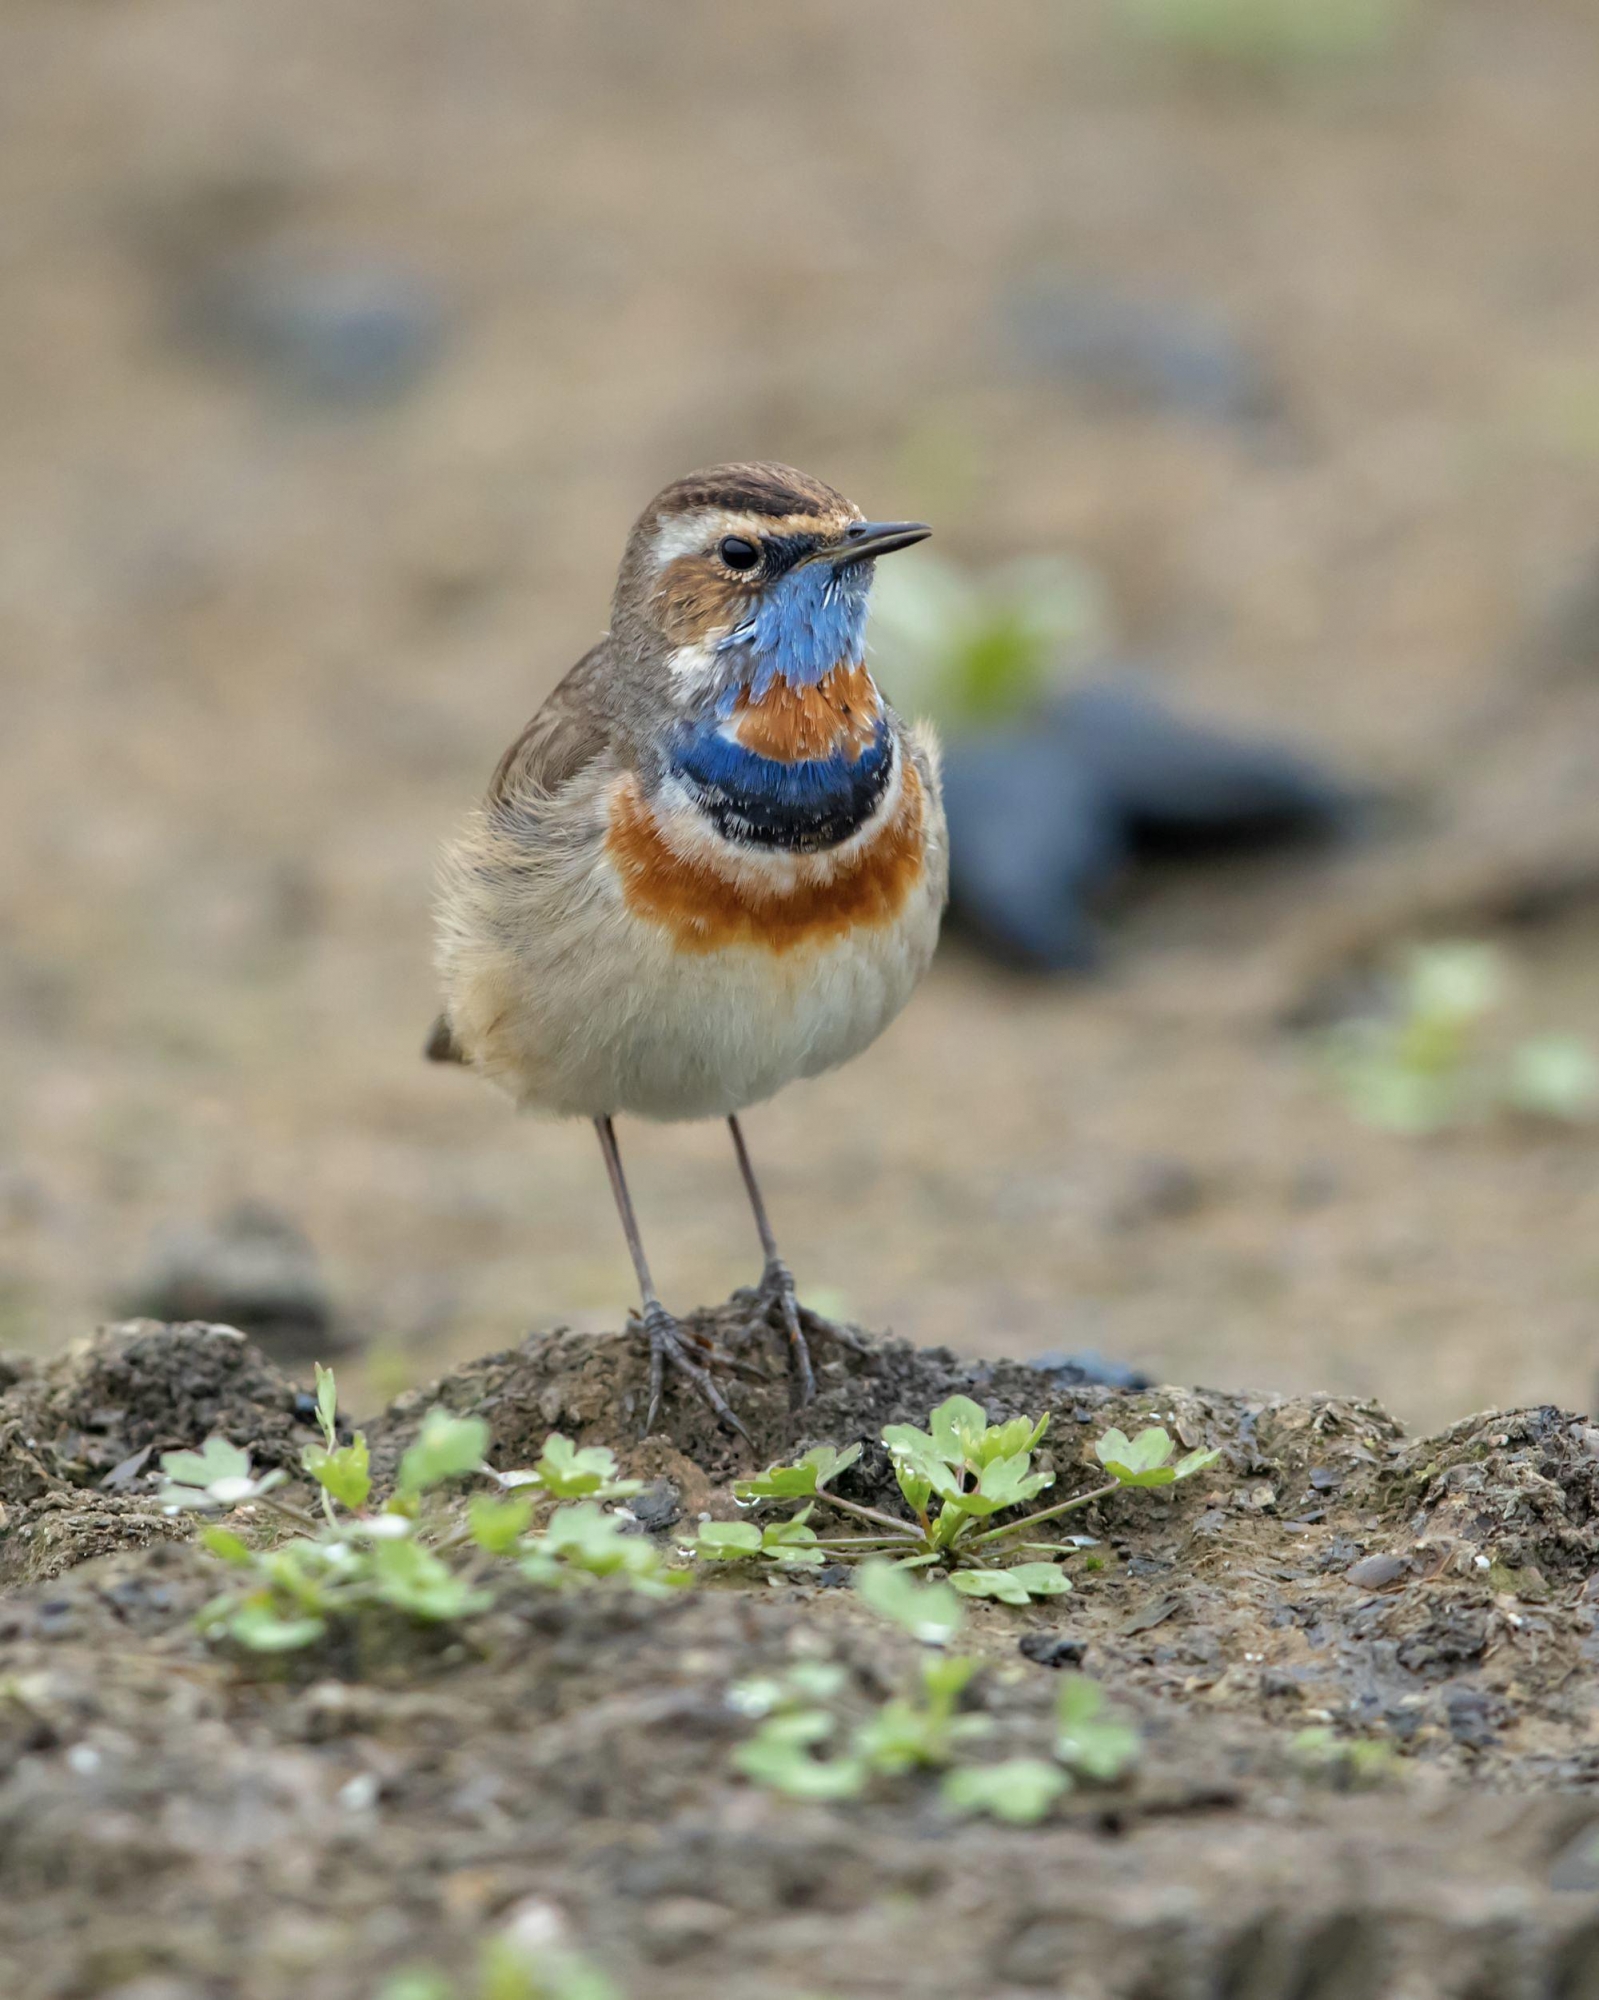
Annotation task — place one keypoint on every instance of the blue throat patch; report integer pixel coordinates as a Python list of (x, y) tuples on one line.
[(805, 624)]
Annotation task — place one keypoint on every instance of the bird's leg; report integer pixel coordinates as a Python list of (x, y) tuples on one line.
[(777, 1290), (667, 1339)]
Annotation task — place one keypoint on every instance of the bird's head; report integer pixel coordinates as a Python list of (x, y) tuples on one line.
[(744, 575)]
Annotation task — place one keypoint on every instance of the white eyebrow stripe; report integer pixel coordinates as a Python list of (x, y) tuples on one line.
[(695, 532)]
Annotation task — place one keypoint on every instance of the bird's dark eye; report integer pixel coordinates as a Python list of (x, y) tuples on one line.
[(738, 553)]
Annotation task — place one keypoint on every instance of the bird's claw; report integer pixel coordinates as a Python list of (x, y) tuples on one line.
[(670, 1343), (777, 1299)]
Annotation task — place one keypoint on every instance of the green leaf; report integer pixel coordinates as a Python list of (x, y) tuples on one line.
[(509, 1969), (1021, 1790), (1006, 1482), (216, 1459), (779, 1757), (997, 1583), (1555, 1076), (817, 1680), (344, 1474), (726, 1541), (1040, 1579), (1192, 1462), (916, 1489), (958, 1427), (414, 1580), (792, 1544), (913, 1452), (446, 1446), (573, 1474), (327, 1404), (1089, 1740), (417, 1982), (261, 1628), (930, 1612), (807, 1476), (1021, 1434), (1139, 1461), (899, 1737), (584, 1538), (945, 1677), (498, 1525), (225, 1543), (1012, 1586)]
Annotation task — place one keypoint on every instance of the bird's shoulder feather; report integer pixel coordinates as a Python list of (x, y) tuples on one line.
[(570, 731)]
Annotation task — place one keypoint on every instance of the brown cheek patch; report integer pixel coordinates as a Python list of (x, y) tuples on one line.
[(793, 723), (705, 912), (695, 594)]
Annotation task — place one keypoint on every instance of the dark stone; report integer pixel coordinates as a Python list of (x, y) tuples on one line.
[(1052, 1649), (1378, 1572), (1086, 1368), (1033, 843), (657, 1508), (1048, 814), (253, 1269), (1183, 787), (1476, 1716)]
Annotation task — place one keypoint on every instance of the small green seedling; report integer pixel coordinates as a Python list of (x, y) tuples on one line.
[(805, 1478), (1357, 1762), (815, 1741), (1270, 37), (357, 1558), (969, 650), (1020, 1790), (218, 1475), (1089, 1740), (508, 1969), (930, 1612), (956, 1477), (1146, 1460), (1424, 1066)]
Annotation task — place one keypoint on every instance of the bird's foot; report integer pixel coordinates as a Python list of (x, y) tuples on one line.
[(671, 1343), (777, 1300)]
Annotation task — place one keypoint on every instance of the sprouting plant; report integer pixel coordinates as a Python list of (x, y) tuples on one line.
[(217, 1476), (1269, 37), (816, 1740), (1018, 1789), (509, 1967), (1423, 1066), (1090, 1739), (357, 1558), (970, 649), (1353, 1761), (956, 1477)]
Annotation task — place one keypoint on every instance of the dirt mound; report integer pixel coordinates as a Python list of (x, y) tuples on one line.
[(171, 1825), (80, 1436)]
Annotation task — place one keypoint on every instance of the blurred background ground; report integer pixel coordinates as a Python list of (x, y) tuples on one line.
[(341, 344)]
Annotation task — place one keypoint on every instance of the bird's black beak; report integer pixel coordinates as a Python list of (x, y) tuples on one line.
[(866, 539)]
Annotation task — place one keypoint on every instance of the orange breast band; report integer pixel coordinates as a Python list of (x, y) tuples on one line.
[(706, 911)]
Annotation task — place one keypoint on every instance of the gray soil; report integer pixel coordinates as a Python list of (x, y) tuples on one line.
[(176, 1824)]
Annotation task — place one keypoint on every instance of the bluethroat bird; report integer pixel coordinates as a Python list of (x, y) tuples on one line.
[(714, 860)]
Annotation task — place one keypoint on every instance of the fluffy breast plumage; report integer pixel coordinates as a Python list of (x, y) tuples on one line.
[(651, 956)]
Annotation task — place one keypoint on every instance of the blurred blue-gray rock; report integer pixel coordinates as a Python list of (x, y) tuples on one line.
[(1046, 815), (253, 1268), (1169, 354), (356, 332)]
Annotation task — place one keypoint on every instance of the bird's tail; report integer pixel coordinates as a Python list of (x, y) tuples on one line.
[(441, 1045)]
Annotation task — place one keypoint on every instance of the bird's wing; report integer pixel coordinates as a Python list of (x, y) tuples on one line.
[(569, 732)]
